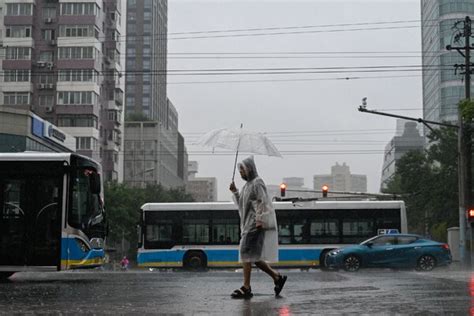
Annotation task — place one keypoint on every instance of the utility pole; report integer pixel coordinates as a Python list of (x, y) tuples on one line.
[(464, 142)]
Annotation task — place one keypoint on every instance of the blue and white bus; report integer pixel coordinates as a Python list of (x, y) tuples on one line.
[(202, 235), (51, 212)]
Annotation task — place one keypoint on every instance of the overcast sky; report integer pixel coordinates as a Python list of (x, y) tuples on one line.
[(317, 116)]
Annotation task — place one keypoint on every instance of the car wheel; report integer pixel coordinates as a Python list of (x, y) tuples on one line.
[(352, 263), (322, 261), (426, 263)]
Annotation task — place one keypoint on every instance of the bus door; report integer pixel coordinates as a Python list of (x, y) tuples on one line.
[(30, 220)]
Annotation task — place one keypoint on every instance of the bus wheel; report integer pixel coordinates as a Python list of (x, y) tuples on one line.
[(5, 275), (195, 261)]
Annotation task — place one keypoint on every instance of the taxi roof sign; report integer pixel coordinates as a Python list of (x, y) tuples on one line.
[(387, 231)]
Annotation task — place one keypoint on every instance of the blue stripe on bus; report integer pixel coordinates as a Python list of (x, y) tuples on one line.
[(75, 253), (223, 255)]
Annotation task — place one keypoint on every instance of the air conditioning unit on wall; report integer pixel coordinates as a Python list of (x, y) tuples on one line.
[(49, 109)]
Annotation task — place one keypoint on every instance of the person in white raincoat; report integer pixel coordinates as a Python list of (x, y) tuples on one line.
[(258, 225)]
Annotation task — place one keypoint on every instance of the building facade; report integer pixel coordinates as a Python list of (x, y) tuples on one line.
[(62, 61), (396, 148), (202, 189), (154, 153), (442, 88), (147, 22), (341, 180)]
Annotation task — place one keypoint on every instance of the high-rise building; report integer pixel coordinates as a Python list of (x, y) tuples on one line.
[(397, 147), (147, 22), (341, 179), (442, 88), (61, 60), (154, 149)]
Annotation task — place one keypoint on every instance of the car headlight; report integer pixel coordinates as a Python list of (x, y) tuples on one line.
[(335, 252)]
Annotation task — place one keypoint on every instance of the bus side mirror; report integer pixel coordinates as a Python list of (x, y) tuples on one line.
[(94, 180)]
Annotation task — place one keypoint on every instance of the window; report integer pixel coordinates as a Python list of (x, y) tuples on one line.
[(18, 31), (76, 53), (16, 98), (78, 121), (405, 240), (83, 75), (49, 12), (384, 241), (47, 35), (86, 143), (46, 56), (225, 231), (16, 75), (79, 9), (77, 97), (46, 100), (160, 231), (17, 9), (77, 31), (18, 53), (47, 78), (195, 231)]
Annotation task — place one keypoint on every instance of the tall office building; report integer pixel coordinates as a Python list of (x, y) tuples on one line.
[(154, 149), (147, 22), (61, 60), (442, 88)]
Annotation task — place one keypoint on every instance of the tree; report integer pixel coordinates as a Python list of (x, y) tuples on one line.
[(123, 203), (428, 181)]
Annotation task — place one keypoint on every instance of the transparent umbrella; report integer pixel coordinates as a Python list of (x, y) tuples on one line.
[(239, 139)]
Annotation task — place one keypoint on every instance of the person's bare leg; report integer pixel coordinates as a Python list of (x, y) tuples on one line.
[(247, 271), (265, 267)]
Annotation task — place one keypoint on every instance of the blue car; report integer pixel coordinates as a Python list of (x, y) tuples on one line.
[(391, 251)]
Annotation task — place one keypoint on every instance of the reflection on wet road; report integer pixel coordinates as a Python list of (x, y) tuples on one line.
[(443, 291)]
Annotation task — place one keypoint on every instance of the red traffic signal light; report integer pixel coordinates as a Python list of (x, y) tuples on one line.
[(282, 189), (325, 190), (470, 215)]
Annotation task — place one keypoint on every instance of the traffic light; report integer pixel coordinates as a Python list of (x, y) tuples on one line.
[(470, 215), (282, 189), (325, 190)]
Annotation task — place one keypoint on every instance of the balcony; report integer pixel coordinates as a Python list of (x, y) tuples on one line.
[(18, 42), (118, 96)]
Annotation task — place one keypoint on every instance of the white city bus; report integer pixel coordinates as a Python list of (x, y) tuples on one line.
[(51, 212), (201, 235)]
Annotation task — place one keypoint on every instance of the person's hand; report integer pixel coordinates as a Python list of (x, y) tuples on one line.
[(259, 224), (232, 187)]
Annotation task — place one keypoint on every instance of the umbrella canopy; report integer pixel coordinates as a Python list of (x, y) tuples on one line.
[(239, 140)]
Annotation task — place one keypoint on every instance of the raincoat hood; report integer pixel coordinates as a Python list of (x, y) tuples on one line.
[(250, 168)]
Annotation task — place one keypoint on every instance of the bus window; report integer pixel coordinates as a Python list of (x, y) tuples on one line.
[(85, 205), (357, 230), (302, 231), (196, 231), (160, 231), (225, 231), (284, 233), (324, 230)]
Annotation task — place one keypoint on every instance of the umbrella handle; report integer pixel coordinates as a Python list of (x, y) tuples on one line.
[(235, 163), (237, 154)]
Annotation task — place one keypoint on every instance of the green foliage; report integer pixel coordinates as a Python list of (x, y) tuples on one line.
[(428, 181), (467, 109), (123, 203)]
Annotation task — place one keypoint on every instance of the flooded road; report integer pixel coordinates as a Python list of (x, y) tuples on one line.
[(443, 291)]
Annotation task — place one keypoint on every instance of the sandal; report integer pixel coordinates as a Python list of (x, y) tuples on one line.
[(279, 284), (243, 292)]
